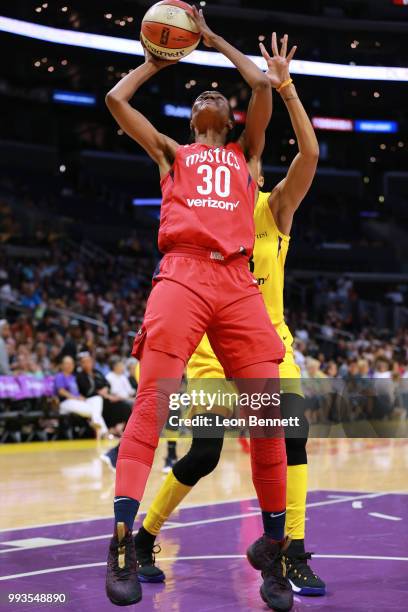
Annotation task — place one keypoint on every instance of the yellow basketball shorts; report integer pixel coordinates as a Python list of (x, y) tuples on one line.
[(205, 373)]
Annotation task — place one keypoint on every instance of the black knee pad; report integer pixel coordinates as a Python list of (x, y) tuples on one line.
[(293, 405), (296, 451), (201, 460)]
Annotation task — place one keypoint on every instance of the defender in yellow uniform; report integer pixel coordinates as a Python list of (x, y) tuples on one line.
[(273, 215), (268, 266)]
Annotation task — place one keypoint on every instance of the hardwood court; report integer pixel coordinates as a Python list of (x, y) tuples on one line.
[(57, 521), (66, 481)]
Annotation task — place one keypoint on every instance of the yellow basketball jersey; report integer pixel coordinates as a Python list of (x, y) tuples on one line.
[(268, 260)]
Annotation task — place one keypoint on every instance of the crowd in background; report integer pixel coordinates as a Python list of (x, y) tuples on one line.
[(63, 310), (64, 305)]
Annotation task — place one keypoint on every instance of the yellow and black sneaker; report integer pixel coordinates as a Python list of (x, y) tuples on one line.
[(122, 582), (266, 555), (301, 576)]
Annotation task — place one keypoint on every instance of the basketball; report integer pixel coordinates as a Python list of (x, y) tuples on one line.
[(168, 31)]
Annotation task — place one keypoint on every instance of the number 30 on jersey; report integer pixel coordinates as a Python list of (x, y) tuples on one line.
[(218, 181)]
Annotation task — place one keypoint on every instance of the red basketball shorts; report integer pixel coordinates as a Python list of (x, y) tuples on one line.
[(193, 294)]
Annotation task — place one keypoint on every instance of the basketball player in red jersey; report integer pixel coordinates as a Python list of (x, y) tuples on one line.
[(203, 285)]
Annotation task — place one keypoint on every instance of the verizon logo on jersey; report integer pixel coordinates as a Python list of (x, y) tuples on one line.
[(210, 203)]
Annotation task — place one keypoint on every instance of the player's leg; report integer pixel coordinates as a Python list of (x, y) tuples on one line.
[(201, 459), (268, 464), (136, 455), (163, 355), (249, 349), (205, 374), (304, 581), (267, 444)]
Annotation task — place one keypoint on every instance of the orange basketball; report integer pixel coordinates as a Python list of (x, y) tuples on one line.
[(168, 31)]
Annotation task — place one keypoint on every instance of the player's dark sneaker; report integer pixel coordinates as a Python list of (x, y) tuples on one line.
[(266, 555), (169, 462), (302, 578), (122, 583), (110, 458), (146, 563)]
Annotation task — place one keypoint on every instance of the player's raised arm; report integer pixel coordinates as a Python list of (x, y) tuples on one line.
[(158, 146), (260, 106), (289, 193)]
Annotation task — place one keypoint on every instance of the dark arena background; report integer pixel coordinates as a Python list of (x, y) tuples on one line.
[(79, 214)]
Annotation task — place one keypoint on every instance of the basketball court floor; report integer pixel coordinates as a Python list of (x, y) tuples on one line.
[(56, 522)]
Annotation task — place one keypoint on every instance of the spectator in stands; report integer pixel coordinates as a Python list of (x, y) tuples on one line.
[(330, 369), (41, 356), (22, 329), (11, 345), (89, 341), (359, 387), (395, 296), (119, 382), (316, 389), (6, 292), (384, 387), (352, 374), (327, 329), (92, 382), (34, 367), (71, 401), (363, 368), (71, 341), (133, 372), (403, 391), (344, 287), (31, 296), (101, 363), (382, 369), (21, 366), (302, 333), (299, 352), (4, 357), (313, 368), (47, 325)]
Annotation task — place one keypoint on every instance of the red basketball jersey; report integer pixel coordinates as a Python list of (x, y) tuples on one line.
[(208, 201)]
